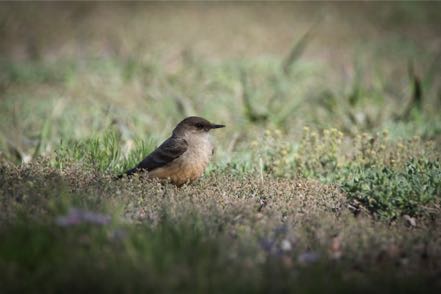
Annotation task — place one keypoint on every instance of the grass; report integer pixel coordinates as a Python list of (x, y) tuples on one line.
[(327, 176)]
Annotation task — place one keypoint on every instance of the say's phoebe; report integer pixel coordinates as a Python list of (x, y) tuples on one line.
[(183, 157)]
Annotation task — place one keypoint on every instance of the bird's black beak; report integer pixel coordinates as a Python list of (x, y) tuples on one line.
[(215, 126)]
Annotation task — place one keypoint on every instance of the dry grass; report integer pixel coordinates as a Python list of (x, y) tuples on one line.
[(296, 224)]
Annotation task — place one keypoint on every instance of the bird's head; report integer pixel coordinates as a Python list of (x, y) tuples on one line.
[(195, 125)]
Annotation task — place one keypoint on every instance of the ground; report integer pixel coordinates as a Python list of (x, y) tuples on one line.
[(327, 176)]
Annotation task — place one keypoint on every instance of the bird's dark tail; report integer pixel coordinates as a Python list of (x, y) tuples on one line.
[(119, 177), (127, 173)]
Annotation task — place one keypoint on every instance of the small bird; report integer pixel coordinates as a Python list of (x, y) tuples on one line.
[(183, 157)]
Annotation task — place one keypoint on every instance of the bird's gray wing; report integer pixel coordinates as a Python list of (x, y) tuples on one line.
[(168, 151)]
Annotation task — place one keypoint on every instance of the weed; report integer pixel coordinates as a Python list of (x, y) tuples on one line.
[(391, 193)]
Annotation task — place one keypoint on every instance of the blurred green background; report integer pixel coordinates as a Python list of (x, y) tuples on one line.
[(74, 70)]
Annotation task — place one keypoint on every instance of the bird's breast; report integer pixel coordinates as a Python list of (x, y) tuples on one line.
[(190, 165), (199, 151)]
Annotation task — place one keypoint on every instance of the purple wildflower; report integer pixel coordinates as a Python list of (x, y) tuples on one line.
[(77, 216), (308, 257), (267, 245)]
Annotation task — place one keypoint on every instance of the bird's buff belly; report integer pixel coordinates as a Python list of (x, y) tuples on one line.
[(179, 172)]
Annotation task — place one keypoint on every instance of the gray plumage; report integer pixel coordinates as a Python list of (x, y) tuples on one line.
[(168, 151), (183, 157)]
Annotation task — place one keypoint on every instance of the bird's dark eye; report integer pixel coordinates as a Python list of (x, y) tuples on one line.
[(199, 126)]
